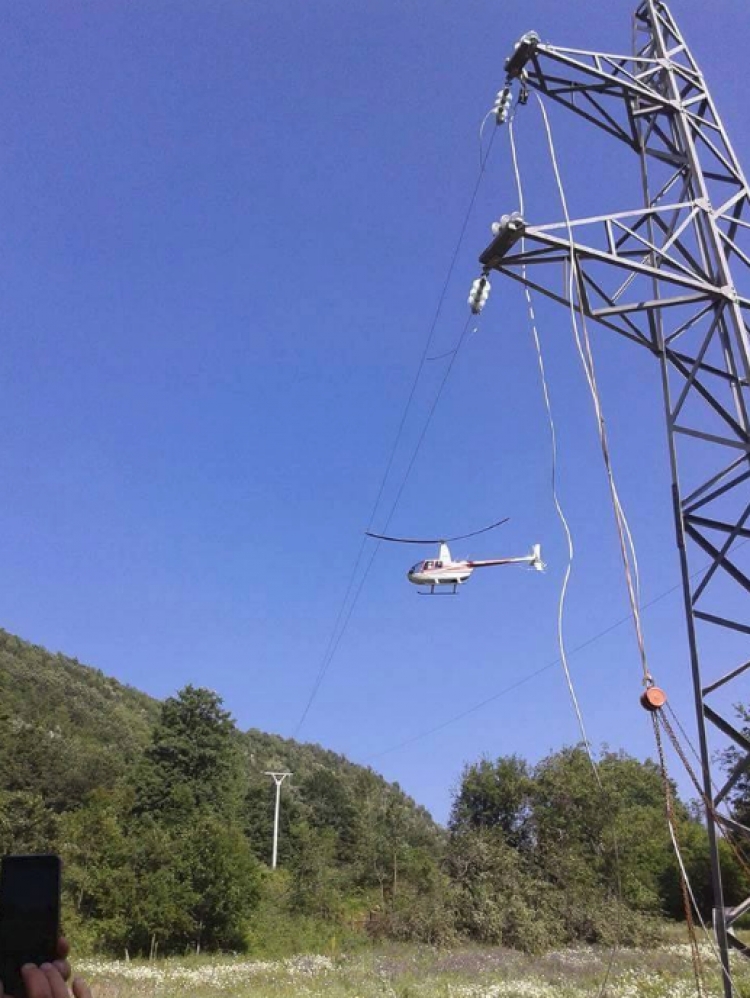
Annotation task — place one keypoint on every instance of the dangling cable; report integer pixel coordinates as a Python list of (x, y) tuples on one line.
[(553, 447), (627, 545), (568, 568), (583, 344)]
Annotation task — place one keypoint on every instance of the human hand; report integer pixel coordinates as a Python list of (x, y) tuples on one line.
[(47, 982), (42, 984)]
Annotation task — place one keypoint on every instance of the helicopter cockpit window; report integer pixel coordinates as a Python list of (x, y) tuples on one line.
[(417, 567), (438, 564), (428, 565)]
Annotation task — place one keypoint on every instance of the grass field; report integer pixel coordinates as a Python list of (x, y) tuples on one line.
[(408, 972)]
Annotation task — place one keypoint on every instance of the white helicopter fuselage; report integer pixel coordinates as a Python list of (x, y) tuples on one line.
[(443, 570), (438, 572)]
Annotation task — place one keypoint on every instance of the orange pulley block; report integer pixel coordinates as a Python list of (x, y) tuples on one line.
[(653, 699)]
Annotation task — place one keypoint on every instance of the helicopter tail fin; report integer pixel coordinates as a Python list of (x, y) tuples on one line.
[(536, 558)]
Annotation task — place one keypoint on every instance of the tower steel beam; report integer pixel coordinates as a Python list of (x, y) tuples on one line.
[(672, 276)]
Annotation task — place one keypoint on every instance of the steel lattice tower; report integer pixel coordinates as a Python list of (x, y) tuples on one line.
[(674, 277)]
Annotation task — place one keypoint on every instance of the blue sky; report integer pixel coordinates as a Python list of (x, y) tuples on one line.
[(225, 226)]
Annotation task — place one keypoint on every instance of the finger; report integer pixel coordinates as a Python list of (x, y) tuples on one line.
[(80, 988), (63, 948), (57, 986), (63, 968), (35, 981)]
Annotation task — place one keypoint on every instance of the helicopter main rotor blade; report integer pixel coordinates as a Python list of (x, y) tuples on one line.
[(403, 540), (475, 533), (435, 540)]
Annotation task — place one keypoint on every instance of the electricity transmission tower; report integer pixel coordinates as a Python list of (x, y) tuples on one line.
[(672, 276), (278, 779)]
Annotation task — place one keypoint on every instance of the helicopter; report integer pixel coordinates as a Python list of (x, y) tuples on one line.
[(445, 571)]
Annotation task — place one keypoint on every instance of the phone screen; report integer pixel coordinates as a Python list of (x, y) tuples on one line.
[(29, 915)]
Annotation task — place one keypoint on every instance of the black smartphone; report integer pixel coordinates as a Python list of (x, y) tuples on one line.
[(29, 915)]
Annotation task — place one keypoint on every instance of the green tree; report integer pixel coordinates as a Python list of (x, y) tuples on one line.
[(99, 886), (733, 757), (318, 878), (193, 761), (499, 899), (161, 918), (223, 881), (329, 805), (495, 795), (196, 878), (693, 842), (26, 824), (618, 828)]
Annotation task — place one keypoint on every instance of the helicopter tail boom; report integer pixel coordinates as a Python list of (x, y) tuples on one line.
[(533, 560)]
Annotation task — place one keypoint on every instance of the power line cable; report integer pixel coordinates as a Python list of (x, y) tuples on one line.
[(346, 609), (336, 641), (537, 672)]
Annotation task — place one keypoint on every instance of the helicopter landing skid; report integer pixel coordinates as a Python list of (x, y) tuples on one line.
[(433, 592)]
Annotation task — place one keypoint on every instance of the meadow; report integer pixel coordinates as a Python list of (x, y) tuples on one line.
[(413, 972)]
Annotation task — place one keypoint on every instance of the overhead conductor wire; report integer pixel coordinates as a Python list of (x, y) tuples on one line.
[(529, 676), (568, 568), (347, 606), (627, 546)]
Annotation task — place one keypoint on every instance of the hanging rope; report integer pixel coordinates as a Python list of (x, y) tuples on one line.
[(724, 825), (687, 894), (659, 717)]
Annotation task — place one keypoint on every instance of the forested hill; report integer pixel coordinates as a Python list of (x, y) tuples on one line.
[(163, 816), (67, 729)]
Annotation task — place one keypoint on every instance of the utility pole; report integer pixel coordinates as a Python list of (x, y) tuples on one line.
[(672, 276), (278, 779)]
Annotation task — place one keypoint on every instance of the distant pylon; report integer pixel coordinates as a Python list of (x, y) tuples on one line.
[(278, 779)]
